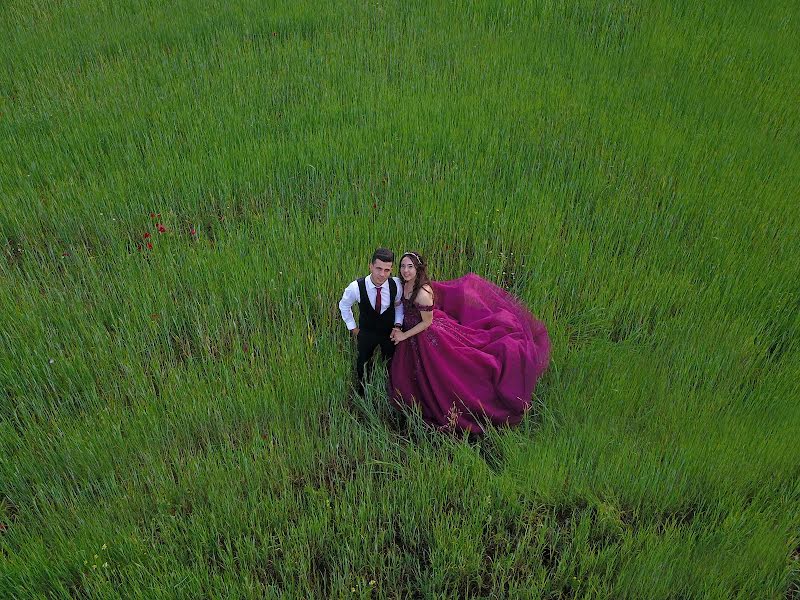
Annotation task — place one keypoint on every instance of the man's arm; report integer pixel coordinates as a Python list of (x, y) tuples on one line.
[(349, 298), (399, 312)]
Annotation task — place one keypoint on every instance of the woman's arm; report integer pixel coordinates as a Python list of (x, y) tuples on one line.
[(424, 298)]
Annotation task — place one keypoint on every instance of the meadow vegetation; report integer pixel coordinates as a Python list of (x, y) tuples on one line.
[(185, 190)]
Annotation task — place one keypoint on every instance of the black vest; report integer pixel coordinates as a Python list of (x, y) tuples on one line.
[(367, 317)]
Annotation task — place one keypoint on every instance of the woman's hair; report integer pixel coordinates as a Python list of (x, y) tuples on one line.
[(422, 273)]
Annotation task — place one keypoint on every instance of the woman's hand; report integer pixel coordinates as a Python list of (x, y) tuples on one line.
[(397, 336)]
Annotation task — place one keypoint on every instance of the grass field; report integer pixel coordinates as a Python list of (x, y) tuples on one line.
[(175, 418)]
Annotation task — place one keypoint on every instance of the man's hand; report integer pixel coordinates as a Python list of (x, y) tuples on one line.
[(397, 336), (355, 331)]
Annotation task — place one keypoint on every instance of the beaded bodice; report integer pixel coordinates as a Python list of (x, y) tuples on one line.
[(412, 313)]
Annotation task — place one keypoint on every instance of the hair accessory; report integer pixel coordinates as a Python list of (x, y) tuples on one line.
[(419, 260)]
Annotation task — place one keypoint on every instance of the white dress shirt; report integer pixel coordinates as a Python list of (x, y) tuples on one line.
[(352, 295)]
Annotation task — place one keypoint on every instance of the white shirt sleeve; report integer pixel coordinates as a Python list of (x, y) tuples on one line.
[(349, 298), (399, 313)]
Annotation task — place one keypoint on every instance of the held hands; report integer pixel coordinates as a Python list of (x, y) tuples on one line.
[(397, 336)]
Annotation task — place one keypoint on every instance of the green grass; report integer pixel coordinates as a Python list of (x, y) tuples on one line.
[(175, 421)]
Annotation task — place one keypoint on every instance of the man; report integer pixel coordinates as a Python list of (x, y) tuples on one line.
[(380, 309)]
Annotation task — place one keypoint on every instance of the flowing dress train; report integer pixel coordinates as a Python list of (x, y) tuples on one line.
[(479, 360)]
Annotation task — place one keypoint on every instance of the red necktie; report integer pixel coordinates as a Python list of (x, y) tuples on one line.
[(378, 300)]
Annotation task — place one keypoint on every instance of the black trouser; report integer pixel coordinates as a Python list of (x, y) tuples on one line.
[(367, 342)]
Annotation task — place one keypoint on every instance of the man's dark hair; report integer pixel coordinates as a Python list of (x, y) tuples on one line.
[(383, 254)]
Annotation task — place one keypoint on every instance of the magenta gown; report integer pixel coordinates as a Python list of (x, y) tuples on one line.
[(479, 360)]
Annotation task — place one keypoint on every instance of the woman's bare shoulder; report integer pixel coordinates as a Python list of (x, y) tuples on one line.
[(424, 296)]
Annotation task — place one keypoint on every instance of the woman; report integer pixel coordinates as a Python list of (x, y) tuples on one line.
[(468, 352)]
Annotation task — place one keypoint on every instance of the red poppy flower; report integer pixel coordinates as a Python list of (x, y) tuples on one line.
[(146, 235), (149, 245), (192, 231), (65, 254), (160, 227), (152, 215), (374, 205)]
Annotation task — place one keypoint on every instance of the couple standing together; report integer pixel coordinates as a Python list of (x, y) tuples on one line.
[(465, 351)]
